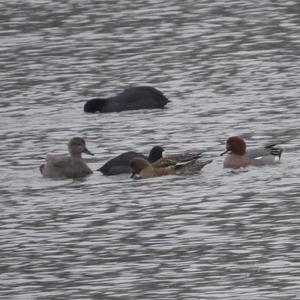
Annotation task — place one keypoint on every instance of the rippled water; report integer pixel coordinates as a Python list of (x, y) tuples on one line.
[(229, 67)]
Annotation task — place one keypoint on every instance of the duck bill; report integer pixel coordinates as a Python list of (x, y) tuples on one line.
[(86, 151), (135, 176), (224, 152)]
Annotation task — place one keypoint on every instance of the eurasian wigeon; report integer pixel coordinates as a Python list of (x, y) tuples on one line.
[(120, 163), (141, 168), (239, 157), (143, 97), (68, 166)]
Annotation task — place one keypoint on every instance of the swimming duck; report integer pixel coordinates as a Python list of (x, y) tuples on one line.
[(143, 97), (141, 168), (68, 166), (120, 163), (239, 157)]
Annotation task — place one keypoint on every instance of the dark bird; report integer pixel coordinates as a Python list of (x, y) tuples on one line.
[(143, 97), (120, 163)]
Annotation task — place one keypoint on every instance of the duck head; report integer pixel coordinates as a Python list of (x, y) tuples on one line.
[(77, 146), (138, 164), (236, 145), (155, 153)]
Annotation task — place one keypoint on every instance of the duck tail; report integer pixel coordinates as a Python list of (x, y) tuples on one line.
[(276, 151)]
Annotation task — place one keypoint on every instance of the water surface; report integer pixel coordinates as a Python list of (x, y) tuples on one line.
[(229, 67)]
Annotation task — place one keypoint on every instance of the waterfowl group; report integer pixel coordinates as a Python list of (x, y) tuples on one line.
[(64, 166), (121, 163), (141, 166), (155, 164)]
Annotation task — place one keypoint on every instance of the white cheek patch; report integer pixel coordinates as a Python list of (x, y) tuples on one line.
[(259, 157)]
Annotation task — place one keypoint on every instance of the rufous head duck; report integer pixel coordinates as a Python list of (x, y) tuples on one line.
[(236, 145)]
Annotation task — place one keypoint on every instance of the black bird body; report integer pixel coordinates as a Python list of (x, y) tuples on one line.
[(121, 163), (143, 97)]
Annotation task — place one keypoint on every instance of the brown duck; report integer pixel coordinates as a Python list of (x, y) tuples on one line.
[(68, 166), (141, 168)]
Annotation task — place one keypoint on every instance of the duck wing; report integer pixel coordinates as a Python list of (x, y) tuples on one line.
[(58, 161), (192, 166), (266, 151), (185, 156), (164, 162)]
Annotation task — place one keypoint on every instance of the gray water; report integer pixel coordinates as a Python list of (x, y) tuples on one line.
[(229, 68)]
